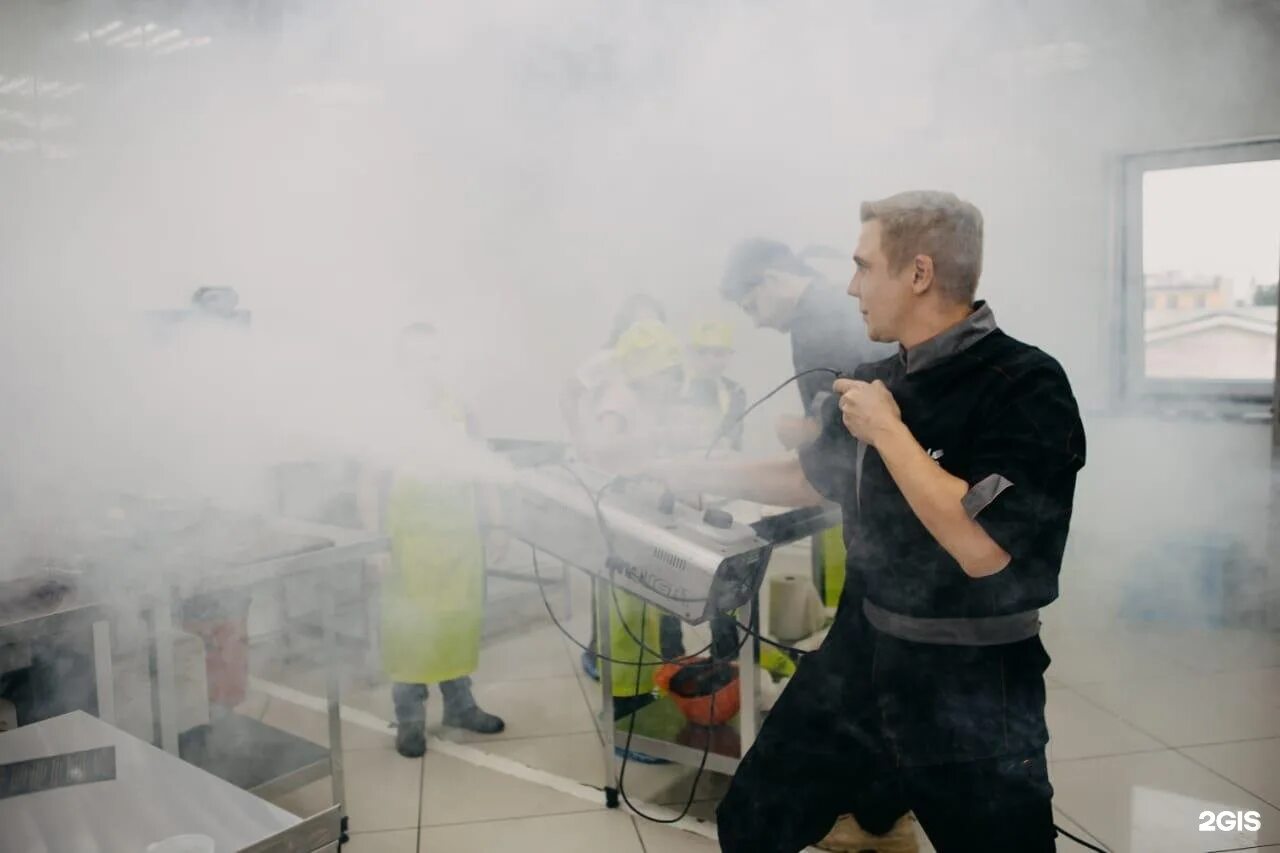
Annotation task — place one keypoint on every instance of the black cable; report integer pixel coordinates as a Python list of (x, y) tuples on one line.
[(762, 638), (706, 750), (727, 428), (639, 641), (1080, 841), (626, 751), (537, 574), (639, 663), (631, 724)]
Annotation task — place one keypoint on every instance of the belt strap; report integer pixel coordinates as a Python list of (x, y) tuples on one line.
[(975, 631)]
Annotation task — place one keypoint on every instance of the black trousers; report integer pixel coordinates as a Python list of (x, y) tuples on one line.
[(823, 752)]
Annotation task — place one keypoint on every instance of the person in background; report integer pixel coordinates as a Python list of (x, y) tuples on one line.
[(218, 302), (628, 419), (779, 291), (433, 593), (220, 620), (599, 378), (601, 368), (628, 423), (707, 389)]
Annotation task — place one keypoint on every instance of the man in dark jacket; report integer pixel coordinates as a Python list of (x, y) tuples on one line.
[(955, 464)]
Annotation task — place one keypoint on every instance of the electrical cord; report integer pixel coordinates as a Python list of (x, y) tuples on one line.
[(728, 428), (631, 723), (639, 662), (607, 535), (537, 574), (702, 765), (1080, 841), (782, 647)]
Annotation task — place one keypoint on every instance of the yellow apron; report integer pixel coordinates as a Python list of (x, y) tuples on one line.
[(433, 597), (625, 647), (830, 551)]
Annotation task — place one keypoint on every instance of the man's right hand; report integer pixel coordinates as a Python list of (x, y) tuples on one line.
[(795, 432)]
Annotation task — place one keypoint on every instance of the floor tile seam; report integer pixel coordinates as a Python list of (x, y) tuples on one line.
[(1233, 782), (1135, 725)]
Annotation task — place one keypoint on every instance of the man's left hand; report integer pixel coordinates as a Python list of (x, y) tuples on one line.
[(868, 408)]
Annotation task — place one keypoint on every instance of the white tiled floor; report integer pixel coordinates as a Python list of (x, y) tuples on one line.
[(1150, 725)]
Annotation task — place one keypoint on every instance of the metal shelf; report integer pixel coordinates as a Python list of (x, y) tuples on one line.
[(663, 732), (254, 756)]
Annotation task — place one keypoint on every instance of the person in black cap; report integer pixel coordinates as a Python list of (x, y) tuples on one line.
[(779, 290), (955, 465)]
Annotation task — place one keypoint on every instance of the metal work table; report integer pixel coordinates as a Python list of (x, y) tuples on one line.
[(25, 617), (660, 730), (148, 558), (146, 797), (241, 750)]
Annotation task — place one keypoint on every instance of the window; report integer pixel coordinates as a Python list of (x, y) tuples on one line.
[(1201, 263)]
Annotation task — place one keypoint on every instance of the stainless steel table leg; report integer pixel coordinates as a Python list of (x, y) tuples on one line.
[(565, 575), (287, 654), (600, 590), (334, 690), (164, 712), (103, 680), (748, 675), (372, 621)]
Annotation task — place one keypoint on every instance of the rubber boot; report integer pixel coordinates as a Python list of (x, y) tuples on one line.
[(411, 719), (461, 711)]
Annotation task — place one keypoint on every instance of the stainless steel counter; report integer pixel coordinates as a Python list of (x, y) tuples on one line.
[(25, 617), (153, 796), (146, 560)]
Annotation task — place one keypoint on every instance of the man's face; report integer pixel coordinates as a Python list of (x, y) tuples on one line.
[(884, 297), (771, 303), (709, 362)]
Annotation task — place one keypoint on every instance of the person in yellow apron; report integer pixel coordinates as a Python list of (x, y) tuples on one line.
[(707, 388), (433, 594), (629, 421)]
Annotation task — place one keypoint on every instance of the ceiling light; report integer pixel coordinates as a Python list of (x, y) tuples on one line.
[(105, 30), (53, 122), (164, 37), (15, 84), (16, 145), (18, 118), (198, 41), (174, 47), (63, 90), (124, 36)]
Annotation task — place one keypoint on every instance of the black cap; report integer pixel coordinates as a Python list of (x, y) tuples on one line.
[(751, 259)]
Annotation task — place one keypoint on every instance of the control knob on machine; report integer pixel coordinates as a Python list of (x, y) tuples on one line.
[(718, 518)]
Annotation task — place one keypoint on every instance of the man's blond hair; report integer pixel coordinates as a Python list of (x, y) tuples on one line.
[(937, 224)]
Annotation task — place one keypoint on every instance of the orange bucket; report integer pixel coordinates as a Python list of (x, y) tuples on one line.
[(725, 700)]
